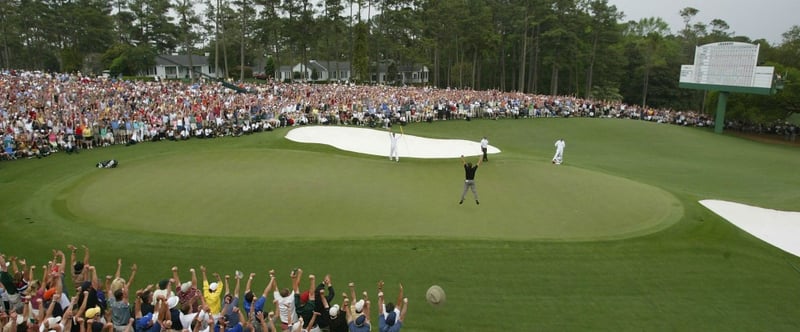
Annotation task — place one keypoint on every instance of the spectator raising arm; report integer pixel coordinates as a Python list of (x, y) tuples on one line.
[(134, 268)]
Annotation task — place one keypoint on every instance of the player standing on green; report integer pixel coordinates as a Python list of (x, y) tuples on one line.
[(393, 138), (469, 182)]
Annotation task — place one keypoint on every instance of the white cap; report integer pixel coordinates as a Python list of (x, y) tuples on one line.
[(334, 310), (172, 301), (213, 286), (359, 305)]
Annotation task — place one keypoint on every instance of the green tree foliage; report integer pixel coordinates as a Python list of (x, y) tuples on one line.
[(153, 25), (128, 60)]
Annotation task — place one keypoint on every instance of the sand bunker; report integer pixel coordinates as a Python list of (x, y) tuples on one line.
[(377, 142), (778, 228)]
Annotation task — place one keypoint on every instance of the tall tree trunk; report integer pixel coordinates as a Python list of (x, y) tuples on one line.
[(529, 60), (502, 66), (352, 40), (216, 40), (436, 68), (474, 68), (448, 69), (223, 32), (554, 79), (458, 63), (523, 56), (590, 71), (277, 57), (6, 53), (478, 83), (241, 48), (536, 50), (369, 24), (645, 83), (191, 59)]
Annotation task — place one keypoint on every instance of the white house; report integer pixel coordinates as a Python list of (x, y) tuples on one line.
[(316, 71), (177, 66), (406, 74), (321, 70)]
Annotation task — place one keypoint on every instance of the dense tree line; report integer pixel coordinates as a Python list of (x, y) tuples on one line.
[(561, 47)]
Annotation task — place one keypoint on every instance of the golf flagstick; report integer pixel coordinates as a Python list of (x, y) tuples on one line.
[(404, 139)]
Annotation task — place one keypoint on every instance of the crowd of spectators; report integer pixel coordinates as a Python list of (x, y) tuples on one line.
[(69, 296), (42, 113)]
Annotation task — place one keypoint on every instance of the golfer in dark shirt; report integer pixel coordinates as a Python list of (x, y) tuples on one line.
[(469, 182)]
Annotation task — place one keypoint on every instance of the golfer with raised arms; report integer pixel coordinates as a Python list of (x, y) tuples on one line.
[(393, 137), (469, 182)]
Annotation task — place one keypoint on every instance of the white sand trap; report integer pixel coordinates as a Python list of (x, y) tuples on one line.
[(778, 228), (377, 142)]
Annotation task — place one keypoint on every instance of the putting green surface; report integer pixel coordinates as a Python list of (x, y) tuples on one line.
[(263, 193)]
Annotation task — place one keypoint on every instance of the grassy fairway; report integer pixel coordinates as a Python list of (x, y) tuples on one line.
[(612, 240)]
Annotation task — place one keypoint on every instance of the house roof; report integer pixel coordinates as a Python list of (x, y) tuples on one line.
[(411, 68), (333, 65), (405, 68), (322, 65), (181, 60)]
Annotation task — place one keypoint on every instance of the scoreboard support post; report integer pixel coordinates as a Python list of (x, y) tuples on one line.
[(722, 103)]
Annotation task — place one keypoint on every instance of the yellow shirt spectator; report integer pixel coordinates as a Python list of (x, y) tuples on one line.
[(213, 295)]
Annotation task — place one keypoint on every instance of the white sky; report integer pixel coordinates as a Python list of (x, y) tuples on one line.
[(757, 19)]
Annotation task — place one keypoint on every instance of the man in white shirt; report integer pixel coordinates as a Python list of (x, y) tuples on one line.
[(285, 300), (558, 158), (485, 147), (394, 138)]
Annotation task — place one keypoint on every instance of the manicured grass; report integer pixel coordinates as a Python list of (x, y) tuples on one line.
[(612, 240), (265, 188)]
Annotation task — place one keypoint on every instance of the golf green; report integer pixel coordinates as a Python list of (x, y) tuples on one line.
[(244, 190)]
